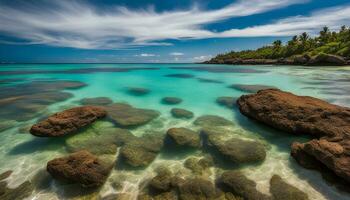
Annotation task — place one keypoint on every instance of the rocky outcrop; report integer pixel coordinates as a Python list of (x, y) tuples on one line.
[(281, 190), (296, 114), (181, 113), (171, 100), (330, 124), (127, 116), (81, 167), (183, 137), (212, 120), (198, 188), (68, 121)]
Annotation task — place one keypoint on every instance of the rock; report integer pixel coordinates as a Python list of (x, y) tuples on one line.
[(99, 140), (327, 59), (306, 115), (5, 175), (239, 184), (198, 188), (199, 166), (284, 191), (171, 100), (228, 102), (161, 182), (68, 121), (181, 113), (125, 115), (296, 114), (212, 120), (207, 80), (241, 151), (97, 101), (138, 91), (251, 88), (301, 59), (162, 196), (80, 167), (23, 191), (119, 196), (180, 75), (332, 154), (140, 152), (184, 137)]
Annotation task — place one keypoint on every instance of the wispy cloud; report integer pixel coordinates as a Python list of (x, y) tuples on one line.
[(202, 58), (146, 55), (176, 54), (80, 25)]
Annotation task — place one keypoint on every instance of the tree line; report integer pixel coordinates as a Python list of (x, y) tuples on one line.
[(329, 42)]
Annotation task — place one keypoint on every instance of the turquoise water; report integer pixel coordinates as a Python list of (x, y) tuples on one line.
[(27, 155)]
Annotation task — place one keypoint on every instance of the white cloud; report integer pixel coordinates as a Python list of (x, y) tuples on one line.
[(146, 55), (176, 54), (331, 17), (202, 58), (76, 24)]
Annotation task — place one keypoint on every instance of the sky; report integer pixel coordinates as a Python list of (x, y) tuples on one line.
[(154, 31)]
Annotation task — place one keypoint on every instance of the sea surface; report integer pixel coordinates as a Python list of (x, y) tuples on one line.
[(198, 85)]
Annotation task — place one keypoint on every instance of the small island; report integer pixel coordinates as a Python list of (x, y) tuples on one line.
[(328, 48)]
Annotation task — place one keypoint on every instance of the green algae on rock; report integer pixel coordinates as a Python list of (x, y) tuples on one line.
[(284, 191), (183, 137), (124, 115), (137, 91), (228, 102)]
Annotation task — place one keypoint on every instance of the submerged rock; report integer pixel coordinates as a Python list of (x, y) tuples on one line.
[(229, 102), (284, 191), (26, 101), (68, 121), (171, 100), (5, 175), (241, 151), (161, 182), (199, 166), (250, 88), (237, 183), (181, 113), (138, 91), (125, 115), (23, 191), (99, 140), (81, 167), (212, 120), (198, 188), (97, 101), (140, 152), (184, 137)]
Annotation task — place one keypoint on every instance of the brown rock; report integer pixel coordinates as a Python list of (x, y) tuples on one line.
[(68, 121), (81, 167), (296, 114)]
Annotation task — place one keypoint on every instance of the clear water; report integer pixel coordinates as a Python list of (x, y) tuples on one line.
[(26, 155)]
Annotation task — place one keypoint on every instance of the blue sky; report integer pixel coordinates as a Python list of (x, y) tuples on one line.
[(154, 30)]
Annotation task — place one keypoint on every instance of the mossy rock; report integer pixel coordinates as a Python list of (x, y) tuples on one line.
[(183, 137), (281, 190), (228, 102), (199, 166), (171, 100), (181, 113), (97, 101), (212, 120)]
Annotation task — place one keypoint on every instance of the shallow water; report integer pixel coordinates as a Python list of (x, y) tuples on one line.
[(27, 155)]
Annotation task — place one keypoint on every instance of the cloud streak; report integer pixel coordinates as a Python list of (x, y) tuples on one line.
[(80, 25)]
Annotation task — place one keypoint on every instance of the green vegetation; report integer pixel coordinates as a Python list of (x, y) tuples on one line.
[(335, 43)]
